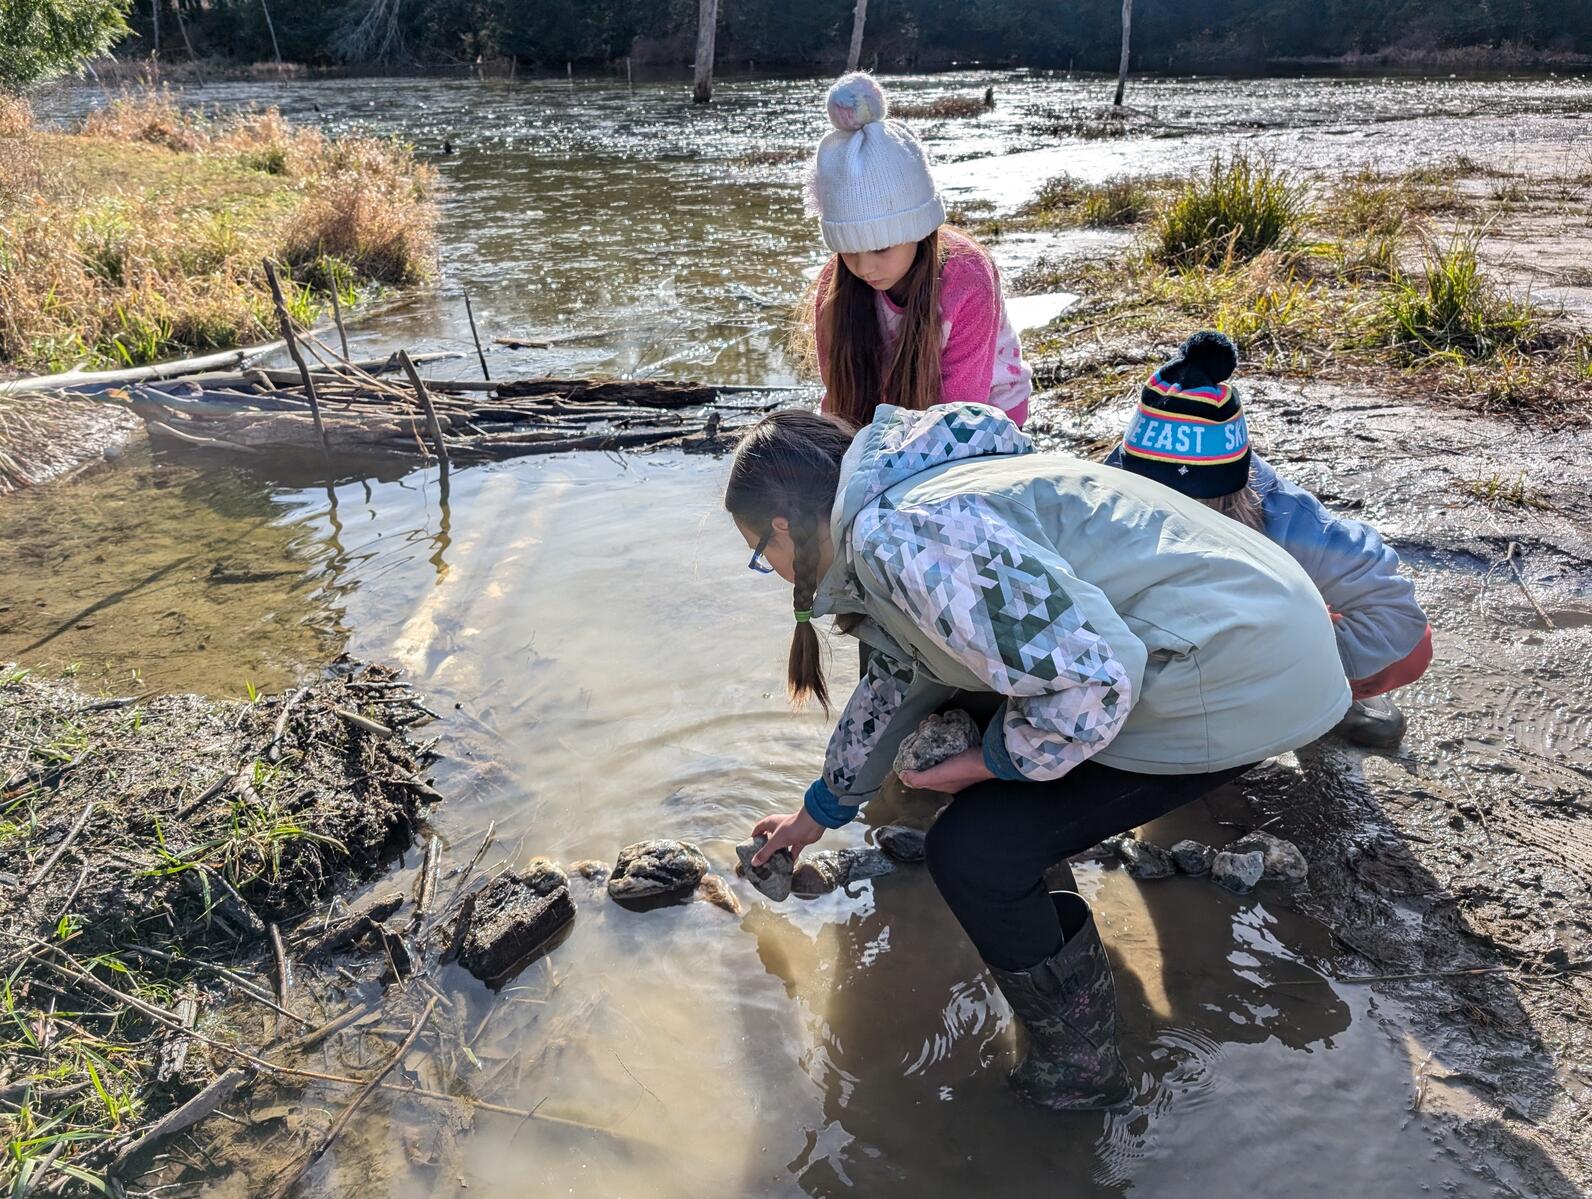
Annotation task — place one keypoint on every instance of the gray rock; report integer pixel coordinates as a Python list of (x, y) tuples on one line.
[(822, 872), (1283, 861), (650, 868), (1238, 872), (902, 843), (1143, 859), (1193, 857), (545, 876), (509, 922), (939, 737), (772, 878)]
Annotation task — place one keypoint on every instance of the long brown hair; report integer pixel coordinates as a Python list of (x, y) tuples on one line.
[(788, 465), (853, 374), (1242, 505)]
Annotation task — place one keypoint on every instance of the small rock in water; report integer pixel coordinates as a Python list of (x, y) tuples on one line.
[(902, 843), (650, 868), (591, 870), (544, 876), (939, 737), (717, 892), (508, 923), (1193, 857), (822, 872), (1238, 872), (772, 878), (1283, 861), (1144, 859)]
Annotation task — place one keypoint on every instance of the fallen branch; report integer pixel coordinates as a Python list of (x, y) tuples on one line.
[(284, 971), (66, 843), (363, 722), (290, 1179), (196, 1109), (351, 1016), (236, 979)]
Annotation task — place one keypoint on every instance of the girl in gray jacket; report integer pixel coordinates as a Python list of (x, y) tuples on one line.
[(1137, 649)]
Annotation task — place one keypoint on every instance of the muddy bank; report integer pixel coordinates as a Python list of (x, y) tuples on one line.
[(1456, 874), (165, 861)]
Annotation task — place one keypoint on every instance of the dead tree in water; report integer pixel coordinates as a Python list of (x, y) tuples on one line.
[(707, 28), (859, 19), (1122, 67), (372, 34)]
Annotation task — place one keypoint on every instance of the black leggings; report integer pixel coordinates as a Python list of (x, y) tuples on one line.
[(988, 851)]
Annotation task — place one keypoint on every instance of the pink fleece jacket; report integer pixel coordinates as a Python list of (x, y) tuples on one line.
[(980, 358)]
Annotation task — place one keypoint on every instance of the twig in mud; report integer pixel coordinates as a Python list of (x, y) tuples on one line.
[(284, 971), (1420, 1090), (175, 1052), (222, 785), (237, 980), (196, 1109), (335, 1025), (356, 925), (1521, 579), (66, 904), (343, 1117), (370, 726), (273, 751), (426, 891), (66, 843)]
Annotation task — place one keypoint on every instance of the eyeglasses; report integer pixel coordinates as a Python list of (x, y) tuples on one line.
[(757, 563)]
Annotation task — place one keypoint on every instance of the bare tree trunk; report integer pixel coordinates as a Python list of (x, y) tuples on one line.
[(1122, 68), (275, 49), (859, 19), (154, 19), (707, 28)]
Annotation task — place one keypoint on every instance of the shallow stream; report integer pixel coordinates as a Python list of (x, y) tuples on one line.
[(608, 671)]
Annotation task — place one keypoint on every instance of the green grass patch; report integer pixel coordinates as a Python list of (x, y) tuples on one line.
[(1498, 492), (1450, 310), (1239, 208)]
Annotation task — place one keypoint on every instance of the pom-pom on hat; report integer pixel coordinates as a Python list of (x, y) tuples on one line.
[(1188, 431), (870, 185)]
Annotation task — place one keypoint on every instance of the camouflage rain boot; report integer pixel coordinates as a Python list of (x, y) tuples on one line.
[(1068, 1006), (1375, 723)]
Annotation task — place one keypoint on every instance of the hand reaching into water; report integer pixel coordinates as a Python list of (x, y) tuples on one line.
[(794, 832), (951, 775)]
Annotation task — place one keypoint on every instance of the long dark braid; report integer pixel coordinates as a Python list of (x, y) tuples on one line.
[(806, 671), (788, 465)]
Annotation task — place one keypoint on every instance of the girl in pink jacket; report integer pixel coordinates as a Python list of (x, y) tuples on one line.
[(909, 311)]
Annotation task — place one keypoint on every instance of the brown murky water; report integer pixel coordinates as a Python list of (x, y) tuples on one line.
[(609, 671), (617, 675)]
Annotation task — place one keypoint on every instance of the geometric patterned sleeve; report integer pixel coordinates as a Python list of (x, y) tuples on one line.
[(866, 716), (1013, 612)]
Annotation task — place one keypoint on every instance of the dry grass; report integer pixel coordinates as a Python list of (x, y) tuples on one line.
[(145, 239), (946, 108)]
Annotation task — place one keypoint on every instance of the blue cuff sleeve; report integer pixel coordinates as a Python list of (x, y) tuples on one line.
[(823, 807), (996, 758)]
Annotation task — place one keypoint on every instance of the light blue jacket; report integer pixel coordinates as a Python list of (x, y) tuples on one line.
[(1119, 621), (1378, 620)]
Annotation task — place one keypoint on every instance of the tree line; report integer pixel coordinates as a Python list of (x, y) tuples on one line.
[(1174, 35)]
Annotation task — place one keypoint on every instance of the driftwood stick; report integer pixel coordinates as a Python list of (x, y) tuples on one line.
[(352, 1016), (1514, 569), (273, 751), (337, 315), (196, 1109), (175, 1052), (297, 354), (431, 412), (355, 925), (291, 1177), (426, 892), (284, 969), (374, 728), (479, 353), (66, 843)]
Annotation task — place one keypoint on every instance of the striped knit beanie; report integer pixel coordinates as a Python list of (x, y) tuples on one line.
[(1188, 431)]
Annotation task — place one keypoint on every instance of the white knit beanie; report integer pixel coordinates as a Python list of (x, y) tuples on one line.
[(870, 184)]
